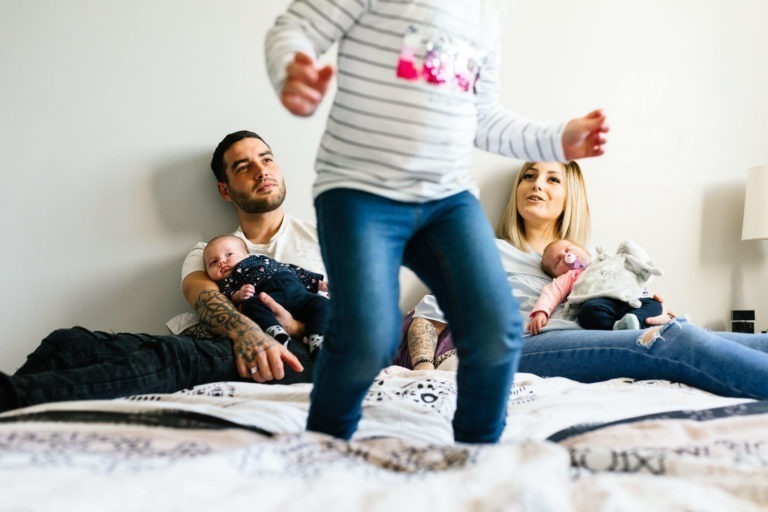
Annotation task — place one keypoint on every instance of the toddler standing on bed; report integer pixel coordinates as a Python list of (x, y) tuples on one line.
[(566, 261), (242, 276), (417, 90)]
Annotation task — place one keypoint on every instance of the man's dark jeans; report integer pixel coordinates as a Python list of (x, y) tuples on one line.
[(78, 364)]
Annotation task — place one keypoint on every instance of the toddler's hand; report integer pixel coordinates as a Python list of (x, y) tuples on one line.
[(305, 85), (585, 136)]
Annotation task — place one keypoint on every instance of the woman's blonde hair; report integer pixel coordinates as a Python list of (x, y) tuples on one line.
[(574, 223)]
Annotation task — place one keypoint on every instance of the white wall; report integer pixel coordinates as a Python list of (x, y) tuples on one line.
[(109, 112)]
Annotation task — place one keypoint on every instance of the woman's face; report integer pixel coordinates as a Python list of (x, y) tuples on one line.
[(541, 192)]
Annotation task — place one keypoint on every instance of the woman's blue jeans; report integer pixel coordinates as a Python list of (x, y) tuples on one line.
[(449, 244), (725, 363)]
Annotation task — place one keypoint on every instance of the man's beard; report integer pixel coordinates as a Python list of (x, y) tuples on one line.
[(250, 205)]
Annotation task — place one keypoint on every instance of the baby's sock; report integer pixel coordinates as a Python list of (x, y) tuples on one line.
[(314, 341), (277, 332), (628, 322)]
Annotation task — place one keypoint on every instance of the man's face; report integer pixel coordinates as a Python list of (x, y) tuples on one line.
[(255, 183)]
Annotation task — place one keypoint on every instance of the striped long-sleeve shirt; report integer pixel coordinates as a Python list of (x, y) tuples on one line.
[(417, 89)]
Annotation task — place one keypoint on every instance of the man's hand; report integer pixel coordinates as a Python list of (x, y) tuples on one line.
[(257, 355), (305, 85), (585, 136), (261, 357), (293, 327)]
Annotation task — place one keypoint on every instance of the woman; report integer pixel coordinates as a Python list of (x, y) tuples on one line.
[(549, 202)]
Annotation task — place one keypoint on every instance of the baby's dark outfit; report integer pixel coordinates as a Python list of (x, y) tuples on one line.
[(291, 286)]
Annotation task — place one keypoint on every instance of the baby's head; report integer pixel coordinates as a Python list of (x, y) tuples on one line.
[(553, 260), (221, 254)]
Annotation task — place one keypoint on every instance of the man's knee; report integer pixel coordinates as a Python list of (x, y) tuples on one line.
[(75, 335)]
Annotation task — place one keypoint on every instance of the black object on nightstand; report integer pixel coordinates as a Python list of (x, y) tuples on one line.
[(743, 320)]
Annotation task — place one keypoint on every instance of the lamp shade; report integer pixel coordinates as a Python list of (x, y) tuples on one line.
[(755, 224)]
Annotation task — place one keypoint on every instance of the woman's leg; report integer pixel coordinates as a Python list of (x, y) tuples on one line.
[(455, 253), (679, 351), (362, 237), (753, 341)]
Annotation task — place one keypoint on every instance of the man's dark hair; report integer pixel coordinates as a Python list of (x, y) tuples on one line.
[(217, 162)]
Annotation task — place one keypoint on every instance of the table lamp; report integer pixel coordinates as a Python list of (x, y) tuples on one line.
[(755, 226)]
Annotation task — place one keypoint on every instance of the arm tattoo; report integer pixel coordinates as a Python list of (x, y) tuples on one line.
[(422, 340), (220, 316)]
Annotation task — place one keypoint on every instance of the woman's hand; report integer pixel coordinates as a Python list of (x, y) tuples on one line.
[(663, 318)]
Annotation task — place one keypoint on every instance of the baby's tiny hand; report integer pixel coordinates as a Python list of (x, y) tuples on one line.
[(244, 293), (248, 291), (537, 323)]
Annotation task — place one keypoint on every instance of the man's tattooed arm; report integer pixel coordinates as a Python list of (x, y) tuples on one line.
[(220, 316), (422, 343)]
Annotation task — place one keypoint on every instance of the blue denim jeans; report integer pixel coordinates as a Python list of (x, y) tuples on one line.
[(78, 364), (449, 244), (725, 363)]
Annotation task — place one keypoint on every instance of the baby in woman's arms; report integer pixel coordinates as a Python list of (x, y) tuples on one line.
[(608, 292)]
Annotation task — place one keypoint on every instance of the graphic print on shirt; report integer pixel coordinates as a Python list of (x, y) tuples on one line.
[(438, 59)]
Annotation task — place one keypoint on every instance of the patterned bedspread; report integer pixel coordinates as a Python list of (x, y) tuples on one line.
[(615, 445)]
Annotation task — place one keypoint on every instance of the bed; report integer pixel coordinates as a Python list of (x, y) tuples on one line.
[(616, 445)]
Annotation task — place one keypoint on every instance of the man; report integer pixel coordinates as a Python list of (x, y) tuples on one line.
[(248, 176), (76, 364)]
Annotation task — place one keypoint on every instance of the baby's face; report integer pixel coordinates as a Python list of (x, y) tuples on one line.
[(221, 255), (553, 258)]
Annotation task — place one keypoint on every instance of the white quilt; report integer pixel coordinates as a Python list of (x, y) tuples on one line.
[(231, 445)]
